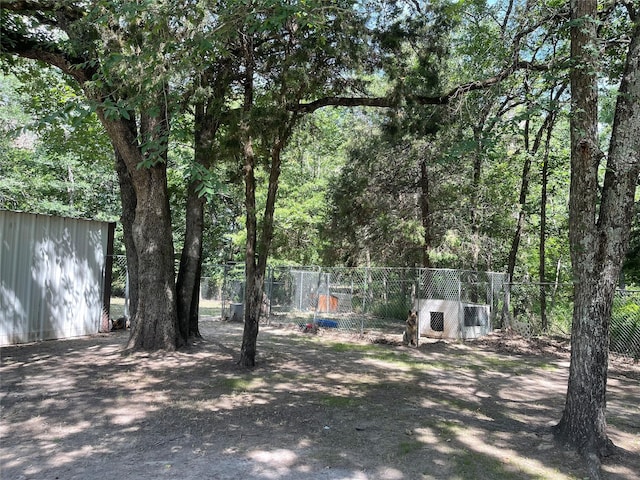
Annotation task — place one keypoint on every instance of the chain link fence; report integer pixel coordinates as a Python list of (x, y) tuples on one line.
[(458, 303), (469, 304), (368, 299), (536, 309), (625, 324), (119, 305), (347, 298)]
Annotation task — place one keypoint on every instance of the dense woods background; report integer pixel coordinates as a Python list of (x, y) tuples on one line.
[(352, 182)]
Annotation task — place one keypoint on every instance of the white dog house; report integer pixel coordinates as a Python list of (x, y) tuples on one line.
[(457, 304), (452, 319)]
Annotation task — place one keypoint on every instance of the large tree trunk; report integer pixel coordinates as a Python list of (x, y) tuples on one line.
[(155, 321), (598, 238), (155, 326)]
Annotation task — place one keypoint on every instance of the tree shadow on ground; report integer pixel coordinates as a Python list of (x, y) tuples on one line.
[(328, 406)]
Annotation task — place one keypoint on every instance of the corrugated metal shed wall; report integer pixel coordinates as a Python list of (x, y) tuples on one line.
[(51, 276)]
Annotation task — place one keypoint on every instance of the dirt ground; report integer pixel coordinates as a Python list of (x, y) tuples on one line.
[(325, 406)]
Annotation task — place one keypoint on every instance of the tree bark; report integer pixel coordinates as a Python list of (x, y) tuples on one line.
[(206, 125), (253, 287), (598, 237), (128, 201), (425, 213), (188, 283), (257, 265), (190, 264), (252, 281), (155, 326)]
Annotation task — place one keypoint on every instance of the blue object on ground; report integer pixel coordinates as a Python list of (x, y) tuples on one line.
[(323, 322)]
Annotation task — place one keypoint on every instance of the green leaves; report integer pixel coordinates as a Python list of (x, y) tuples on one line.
[(209, 184)]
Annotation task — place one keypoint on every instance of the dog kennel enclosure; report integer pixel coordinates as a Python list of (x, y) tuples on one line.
[(457, 304)]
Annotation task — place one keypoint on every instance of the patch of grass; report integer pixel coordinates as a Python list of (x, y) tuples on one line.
[(469, 464), (398, 358), (236, 384), (497, 363), (409, 446), (353, 347), (516, 366), (548, 366), (335, 401), (215, 312), (447, 427)]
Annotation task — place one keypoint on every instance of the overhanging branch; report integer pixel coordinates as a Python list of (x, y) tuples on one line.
[(14, 43), (29, 7), (443, 99)]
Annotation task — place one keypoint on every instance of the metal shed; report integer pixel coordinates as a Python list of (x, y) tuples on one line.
[(52, 272)]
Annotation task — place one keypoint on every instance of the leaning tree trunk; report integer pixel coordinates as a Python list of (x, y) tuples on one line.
[(598, 237), (190, 263), (256, 263), (543, 232), (530, 151), (544, 180), (258, 252), (206, 124), (478, 156)]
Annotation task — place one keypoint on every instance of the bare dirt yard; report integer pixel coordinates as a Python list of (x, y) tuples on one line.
[(325, 406)]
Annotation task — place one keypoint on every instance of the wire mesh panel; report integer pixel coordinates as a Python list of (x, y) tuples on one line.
[(364, 298), (547, 309), (233, 291), (303, 293), (440, 284), (458, 303), (455, 303), (119, 303), (625, 323), (537, 308)]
